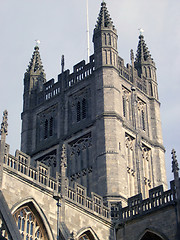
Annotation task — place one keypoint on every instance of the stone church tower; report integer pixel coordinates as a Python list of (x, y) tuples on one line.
[(107, 115), (91, 164)]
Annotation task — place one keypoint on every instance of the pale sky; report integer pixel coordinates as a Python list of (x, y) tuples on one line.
[(61, 27)]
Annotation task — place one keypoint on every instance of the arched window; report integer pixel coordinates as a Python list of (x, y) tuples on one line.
[(29, 224), (149, 72), (109, 39), (87, 236), (151, 236), (105, 40)]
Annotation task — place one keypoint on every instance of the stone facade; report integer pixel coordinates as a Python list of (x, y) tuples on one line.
[(89, 143)]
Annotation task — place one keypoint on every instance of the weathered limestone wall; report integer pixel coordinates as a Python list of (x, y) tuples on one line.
[(161, 222)]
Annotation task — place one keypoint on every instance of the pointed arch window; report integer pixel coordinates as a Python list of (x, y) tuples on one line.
[(29, 225), (151, 235), (86, 236), (109, 39)]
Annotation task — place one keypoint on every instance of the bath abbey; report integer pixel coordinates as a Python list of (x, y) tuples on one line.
[(92, 161)]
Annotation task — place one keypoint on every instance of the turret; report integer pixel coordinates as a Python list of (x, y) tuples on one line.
[(105, 40), (146, 67), (34, 78)]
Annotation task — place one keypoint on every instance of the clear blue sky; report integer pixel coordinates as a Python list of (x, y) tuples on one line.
[(61, 27)]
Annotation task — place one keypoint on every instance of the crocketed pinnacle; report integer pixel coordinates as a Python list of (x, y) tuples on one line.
[(35, 65), (104, 19), (175, 167), (143, 54)]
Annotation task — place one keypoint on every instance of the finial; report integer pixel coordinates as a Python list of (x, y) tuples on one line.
[(175, 167), (37, 44), (62, 63), (4, 124), (141, 31)]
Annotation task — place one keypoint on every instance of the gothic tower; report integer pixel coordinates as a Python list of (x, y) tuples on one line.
[(107, 114)]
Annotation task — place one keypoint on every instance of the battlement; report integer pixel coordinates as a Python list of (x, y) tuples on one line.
[(40, 176), (126, 72), (137, 207), (20, 166), (81, 71)]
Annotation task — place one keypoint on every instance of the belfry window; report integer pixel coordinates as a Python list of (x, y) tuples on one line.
[(81, 110)]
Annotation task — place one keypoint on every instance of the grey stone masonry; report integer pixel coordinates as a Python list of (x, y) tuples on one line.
[(105, 113)]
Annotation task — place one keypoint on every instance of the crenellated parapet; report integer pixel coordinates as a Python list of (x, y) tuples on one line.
[(66, 80), (137, 206), (39, 176)]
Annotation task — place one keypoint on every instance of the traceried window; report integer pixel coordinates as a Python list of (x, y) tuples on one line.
[(48, 128), (29, 226), (85, 237)]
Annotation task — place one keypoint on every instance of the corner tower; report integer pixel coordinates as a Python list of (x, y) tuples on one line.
[(146, 67), (34, 78)]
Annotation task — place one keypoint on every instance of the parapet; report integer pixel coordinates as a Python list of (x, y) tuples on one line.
[(20, 166), (137, 206)]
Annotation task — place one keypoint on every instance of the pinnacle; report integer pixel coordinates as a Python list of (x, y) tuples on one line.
[(143, 54), (35, 65), (104, 20)]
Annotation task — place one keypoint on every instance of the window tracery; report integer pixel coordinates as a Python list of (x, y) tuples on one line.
[(80, 153), (78, 107), (29, 226), (46, 123)]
